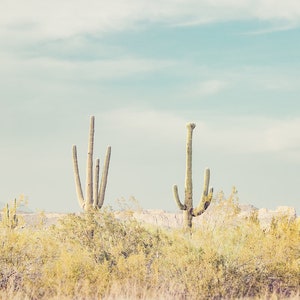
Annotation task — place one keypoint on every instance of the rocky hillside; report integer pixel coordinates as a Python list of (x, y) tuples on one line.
[(215, 215)]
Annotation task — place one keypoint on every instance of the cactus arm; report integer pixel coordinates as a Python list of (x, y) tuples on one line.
[(177, 200), (77, 179), (103, 184), (203, 205), (7, 213), (15, 218), (96, 183), (206, 196), (89, 167)]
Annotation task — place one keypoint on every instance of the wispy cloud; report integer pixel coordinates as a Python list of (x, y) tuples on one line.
[(253, 135), (273, 27), (231, 134), (280, 10), (283, 136), (58, 19), (59, 69), (279, 82)]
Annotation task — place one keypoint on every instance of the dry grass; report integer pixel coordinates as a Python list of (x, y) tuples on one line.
[(96, 256)]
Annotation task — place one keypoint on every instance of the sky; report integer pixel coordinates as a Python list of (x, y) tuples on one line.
[(145, 69)]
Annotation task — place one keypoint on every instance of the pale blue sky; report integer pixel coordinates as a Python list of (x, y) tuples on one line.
[(145, 69)]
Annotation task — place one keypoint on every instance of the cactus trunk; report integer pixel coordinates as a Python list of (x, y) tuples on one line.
[(188, 177), (89, 169)]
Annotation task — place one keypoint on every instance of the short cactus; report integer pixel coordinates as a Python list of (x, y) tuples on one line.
[(188, 209), (94, 194), (10, 218)]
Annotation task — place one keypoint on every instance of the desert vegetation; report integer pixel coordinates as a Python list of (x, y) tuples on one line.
[(106, 254), (96, 255)]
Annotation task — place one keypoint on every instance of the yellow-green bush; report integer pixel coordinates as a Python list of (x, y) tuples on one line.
[(96, 256)]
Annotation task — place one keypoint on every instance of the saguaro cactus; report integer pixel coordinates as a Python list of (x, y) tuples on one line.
[(94, 194), (10, 218), (188, 210)]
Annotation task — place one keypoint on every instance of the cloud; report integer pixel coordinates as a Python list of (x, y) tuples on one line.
[(253, 135), (283, 136), (234, 134), (45, 68), (62, 19), (274, 27), (280, 83), (282, 10), (57, 19)]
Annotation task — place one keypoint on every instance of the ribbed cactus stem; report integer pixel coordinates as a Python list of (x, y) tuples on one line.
[(177, 200), (103, 184), (89, 168), (188, 211), (77, 179), (7, 212), (15, 218), (188, 175), (96, 182), (206, 196)]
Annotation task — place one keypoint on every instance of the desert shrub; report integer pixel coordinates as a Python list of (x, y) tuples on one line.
[(96, 256), (252, 261), (125, 248), (23, 255)]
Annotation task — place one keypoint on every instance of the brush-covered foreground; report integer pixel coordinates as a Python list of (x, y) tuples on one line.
[(96, 256)]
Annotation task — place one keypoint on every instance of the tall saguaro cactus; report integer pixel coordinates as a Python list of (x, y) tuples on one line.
[(188, 210), (94, 194)]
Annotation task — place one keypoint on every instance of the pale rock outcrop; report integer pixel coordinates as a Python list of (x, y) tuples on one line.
[(266, 216), (215, 215)]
